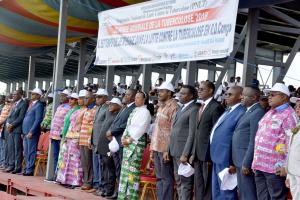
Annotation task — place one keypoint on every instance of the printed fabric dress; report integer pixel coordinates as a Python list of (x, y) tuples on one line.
[(69, 169), (137, 125)]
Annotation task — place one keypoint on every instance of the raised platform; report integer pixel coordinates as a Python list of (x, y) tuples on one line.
[(20, 187)]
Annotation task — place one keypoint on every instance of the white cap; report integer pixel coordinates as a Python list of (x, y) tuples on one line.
[(166, 86), (294, 99), (82, 93), (74, 96), (114, 145), (116, 101), (185, 170), (37, 91), (66, 92), (101, 91), (279, 87), (50, 95)]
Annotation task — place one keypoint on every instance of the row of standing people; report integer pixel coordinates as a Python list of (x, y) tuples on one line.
[(242, 139)]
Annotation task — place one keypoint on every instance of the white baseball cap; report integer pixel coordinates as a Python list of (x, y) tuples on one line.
[(66, 92), (101, 91), (74, 96), (82, 93), (279, 87), (50, 95), (37, 91), (166, 86), (294, 99), (116, 101)]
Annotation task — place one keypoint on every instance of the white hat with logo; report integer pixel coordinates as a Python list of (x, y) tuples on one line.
[(166, 86), (82, 93), (74, 96), (37, 91), (279, 87), (66, 92), (101, 92), (50, 95), (116, 101)]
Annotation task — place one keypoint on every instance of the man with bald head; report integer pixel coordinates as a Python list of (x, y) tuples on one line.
[(243, 142), (221, 140)]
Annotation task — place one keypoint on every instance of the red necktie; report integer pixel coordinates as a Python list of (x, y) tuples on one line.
[(201, 111)]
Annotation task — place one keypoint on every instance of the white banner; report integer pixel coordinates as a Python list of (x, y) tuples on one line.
[(162, 31)]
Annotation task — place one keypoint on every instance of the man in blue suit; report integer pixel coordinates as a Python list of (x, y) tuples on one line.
[(243, 143), (31, 130), (221, 140)]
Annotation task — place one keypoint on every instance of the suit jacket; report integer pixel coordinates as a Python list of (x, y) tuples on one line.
[(220, 147), (98, 123), (183, 131), (293, 155), (33, 119), (209, 117), (118, 126), (17, 115), (244, 136), (102, 146)]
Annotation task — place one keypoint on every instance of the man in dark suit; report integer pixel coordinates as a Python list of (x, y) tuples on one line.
[(208, 115), (243, 143), (32, 130), (14, 132), (221, 140), (118, 127), (181, 140), (107, 161)]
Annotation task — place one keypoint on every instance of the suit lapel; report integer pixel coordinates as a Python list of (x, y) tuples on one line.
[(181, 112), (227, 115), (206, 109)]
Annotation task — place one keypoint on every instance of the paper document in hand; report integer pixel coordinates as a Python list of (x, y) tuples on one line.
[(228, 181)]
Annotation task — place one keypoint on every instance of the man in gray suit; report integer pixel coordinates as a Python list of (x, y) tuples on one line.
[(13, 132), (101, 98), (243, 142), (181, 140), (208, 115)]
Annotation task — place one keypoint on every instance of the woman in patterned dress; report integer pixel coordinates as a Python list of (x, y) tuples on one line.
[(134, 142), (69, 171)]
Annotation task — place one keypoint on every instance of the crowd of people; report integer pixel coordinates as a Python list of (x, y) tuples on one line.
[(97, 142)]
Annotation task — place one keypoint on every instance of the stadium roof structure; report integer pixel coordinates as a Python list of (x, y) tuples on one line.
[(30, 27)]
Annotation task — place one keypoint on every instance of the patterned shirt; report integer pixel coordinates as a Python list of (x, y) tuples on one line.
[(46, 123), (4, 114), (58, 121), (86, 129), (163, 123), (272, 131)]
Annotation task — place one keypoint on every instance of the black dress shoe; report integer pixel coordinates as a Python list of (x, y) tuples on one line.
[(8, 170), (28, 174), (16, 171), (114, 196)]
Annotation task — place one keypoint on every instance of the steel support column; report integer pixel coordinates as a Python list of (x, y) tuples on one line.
[(31, 75), (123, 79), (211, 75), (191, 71), (59, 69), (81, 64), (231, 71), (177, 73), (250, 72), (109, 79), (147, 74), (289, 60)]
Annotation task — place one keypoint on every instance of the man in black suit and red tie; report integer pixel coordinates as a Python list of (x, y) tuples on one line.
[(208, 115)]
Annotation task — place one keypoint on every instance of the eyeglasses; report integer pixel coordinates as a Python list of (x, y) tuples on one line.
[(228, 94), (274, 94), (100, 96)]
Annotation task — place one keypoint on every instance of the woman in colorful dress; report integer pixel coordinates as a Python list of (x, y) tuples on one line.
[(134, 142), (69, 170)]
